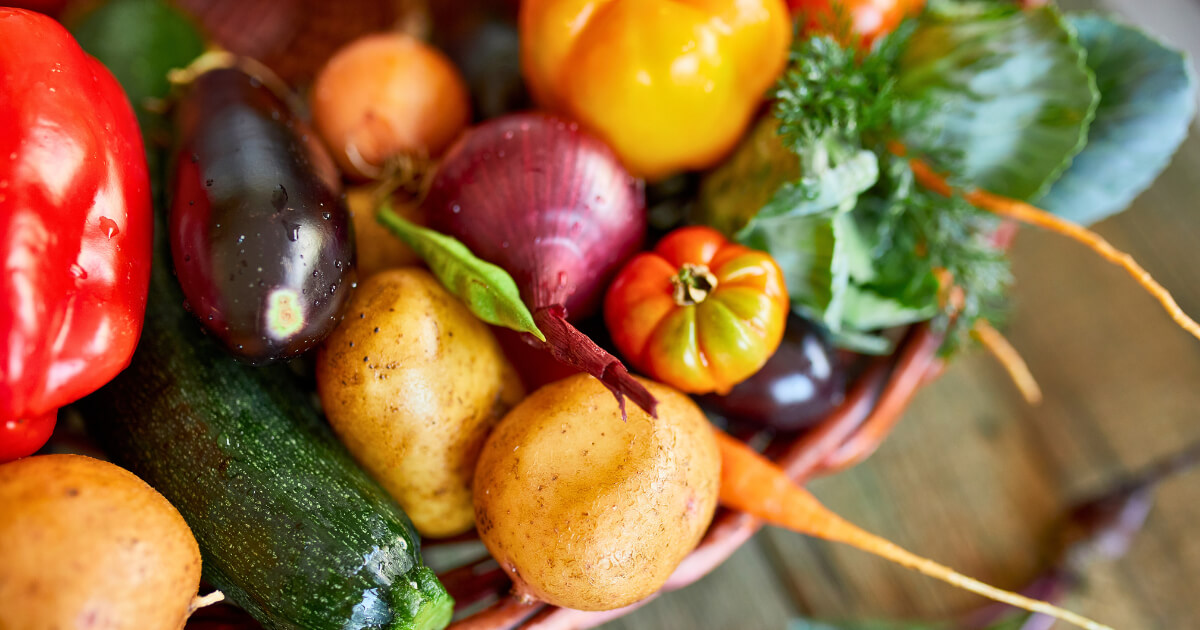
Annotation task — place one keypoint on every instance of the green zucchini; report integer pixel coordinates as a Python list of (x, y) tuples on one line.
[(289, 527)]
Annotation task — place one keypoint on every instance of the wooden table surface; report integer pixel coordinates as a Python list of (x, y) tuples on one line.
[(975, 478)]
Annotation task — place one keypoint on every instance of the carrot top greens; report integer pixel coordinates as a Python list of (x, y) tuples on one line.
[(990, 96)]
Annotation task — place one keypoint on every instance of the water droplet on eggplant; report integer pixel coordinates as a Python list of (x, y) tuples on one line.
[(279, 197)]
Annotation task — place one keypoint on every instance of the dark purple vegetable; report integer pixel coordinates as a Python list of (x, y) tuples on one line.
[(798, 386), (550, 204), (259, 236)]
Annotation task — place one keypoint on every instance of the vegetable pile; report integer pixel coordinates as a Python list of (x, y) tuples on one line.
[(322, 378)]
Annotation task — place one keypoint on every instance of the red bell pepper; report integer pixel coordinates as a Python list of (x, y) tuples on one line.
[(75, 227)]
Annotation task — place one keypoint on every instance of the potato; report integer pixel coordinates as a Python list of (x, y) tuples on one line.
[(586, 511), (376, 247), (86, 544), (412, 383)]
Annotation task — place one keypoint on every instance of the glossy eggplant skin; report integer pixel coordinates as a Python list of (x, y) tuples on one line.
[(260, 237), (799, 385)]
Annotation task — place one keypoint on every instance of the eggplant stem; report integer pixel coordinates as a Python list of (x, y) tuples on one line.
[(1031, 215), (218, 59), (1009, 359)]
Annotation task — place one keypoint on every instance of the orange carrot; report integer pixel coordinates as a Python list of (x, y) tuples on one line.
[(1031, 215), (752, 484), (1009, 359)]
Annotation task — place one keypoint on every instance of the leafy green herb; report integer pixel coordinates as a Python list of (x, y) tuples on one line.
[(1148, 99), (916, 233), (829, 96), (993, 97), (486, 289), (861, 244)]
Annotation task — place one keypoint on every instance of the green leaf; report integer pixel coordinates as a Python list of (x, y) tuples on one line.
[(763, 180), (867, 309), (486, 289), (814, 266), (1147, 101), (828, 188), (997, 95)]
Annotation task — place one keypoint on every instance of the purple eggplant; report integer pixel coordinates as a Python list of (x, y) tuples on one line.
[(260, 237)]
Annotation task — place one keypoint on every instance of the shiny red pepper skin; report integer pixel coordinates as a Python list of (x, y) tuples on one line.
[(75, 222)]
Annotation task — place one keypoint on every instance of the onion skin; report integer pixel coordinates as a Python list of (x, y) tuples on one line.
[(546, 201), (385, 95), (549, 203)]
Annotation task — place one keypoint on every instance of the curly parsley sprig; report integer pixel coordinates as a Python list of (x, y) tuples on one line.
[(834, 95)]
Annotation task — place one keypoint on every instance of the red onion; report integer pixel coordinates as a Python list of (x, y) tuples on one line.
[(550, 204)]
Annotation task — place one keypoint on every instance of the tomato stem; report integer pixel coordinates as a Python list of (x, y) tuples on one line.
[(693, 284)]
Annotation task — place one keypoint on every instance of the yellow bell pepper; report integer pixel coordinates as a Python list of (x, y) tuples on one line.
[(670, 84)]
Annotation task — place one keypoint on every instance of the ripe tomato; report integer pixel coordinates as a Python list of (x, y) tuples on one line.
[(698, 313), (867, 18)]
